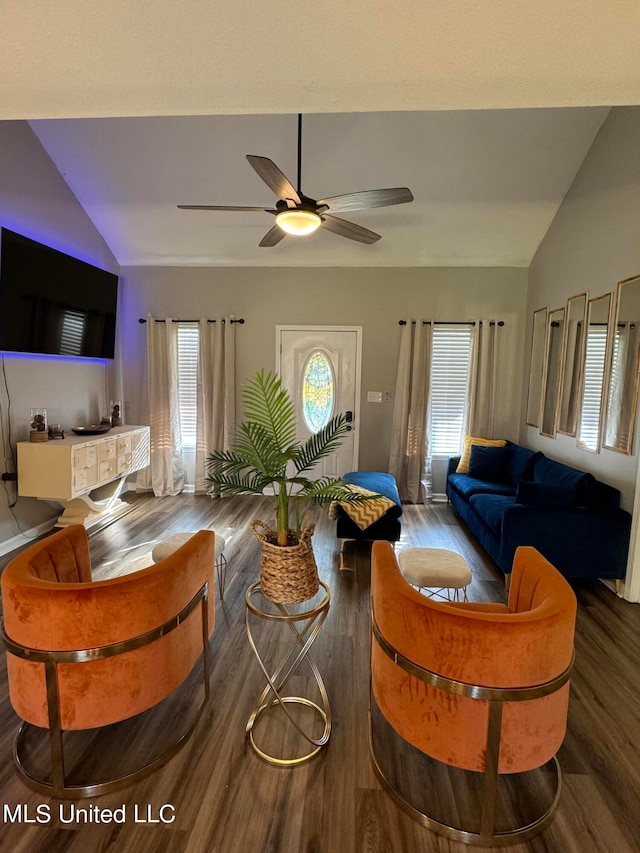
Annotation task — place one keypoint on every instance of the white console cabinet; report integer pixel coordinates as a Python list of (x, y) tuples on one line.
[(68, 470)]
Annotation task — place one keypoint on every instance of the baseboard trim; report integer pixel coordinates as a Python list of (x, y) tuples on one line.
[(22, 539)]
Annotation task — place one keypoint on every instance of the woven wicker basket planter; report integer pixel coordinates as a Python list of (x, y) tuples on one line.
[(288, 573)]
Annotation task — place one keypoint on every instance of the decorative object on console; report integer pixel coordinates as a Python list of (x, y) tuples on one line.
[(267, 454), (116, 413), (56, 431), (38, 430), (92, 429)]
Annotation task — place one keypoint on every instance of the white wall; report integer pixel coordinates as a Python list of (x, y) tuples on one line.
[(593, 242), (373, 298), (35, 201)]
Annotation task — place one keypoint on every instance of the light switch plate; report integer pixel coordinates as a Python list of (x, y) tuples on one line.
[(374, 396)]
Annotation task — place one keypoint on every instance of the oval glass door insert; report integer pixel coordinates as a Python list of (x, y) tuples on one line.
[(318, 391)]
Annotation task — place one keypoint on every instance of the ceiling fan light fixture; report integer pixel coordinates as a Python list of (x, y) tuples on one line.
[(298, 222)]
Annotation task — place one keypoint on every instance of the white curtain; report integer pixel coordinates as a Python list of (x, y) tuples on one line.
[(483, 378), (408, 458), (216, 402), (622, 393), (571, 379), (165, 475)]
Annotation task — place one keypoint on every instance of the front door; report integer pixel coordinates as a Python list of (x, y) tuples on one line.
[(320, 366)]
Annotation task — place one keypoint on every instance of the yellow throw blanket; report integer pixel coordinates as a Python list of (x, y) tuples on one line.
[(364, 513)]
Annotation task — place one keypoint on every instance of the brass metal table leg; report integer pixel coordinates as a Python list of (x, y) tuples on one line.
[(310, 620)]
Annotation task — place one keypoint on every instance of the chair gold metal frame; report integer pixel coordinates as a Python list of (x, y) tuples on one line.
[(58, 787), (496, 697)]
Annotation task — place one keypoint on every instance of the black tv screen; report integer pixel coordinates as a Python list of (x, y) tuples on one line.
[(52, 303)]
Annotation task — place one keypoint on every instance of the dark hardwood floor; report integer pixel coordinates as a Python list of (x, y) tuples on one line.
[(227, 800)]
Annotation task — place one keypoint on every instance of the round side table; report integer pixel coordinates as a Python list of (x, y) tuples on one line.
[(305, 626)]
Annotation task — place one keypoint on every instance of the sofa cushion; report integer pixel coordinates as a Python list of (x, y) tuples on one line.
[(469, 440), (521, 462), (491, 508), (602, 496), (467, 486), (489, 463), (545, 494), (556, 474)]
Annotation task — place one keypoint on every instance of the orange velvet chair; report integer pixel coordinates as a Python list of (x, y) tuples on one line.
[(482, 687), (84, 654)]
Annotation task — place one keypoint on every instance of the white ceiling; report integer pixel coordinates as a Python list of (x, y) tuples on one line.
[(487, 184)]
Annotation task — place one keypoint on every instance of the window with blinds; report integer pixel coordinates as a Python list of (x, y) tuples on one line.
[(596, 347), (188, 335), (450, 360)]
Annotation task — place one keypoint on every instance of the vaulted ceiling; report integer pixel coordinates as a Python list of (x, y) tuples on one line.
[(143, 106)]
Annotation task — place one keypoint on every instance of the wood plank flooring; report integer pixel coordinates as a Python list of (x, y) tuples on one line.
[(227, 800)]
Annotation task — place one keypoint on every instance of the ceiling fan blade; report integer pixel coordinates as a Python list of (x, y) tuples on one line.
[(273, 178), (349, 229), (272, 237), (223, 207), (368, 198)]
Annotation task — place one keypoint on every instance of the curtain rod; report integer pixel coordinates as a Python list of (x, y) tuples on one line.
[(452, 323), (143, 320)]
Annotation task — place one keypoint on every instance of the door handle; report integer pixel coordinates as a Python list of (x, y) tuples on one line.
[(349, 428), (348, 416)]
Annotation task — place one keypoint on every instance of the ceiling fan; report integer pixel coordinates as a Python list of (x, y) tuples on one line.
[(297, 214)]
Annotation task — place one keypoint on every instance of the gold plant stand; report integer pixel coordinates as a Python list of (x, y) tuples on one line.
[(305, 626)]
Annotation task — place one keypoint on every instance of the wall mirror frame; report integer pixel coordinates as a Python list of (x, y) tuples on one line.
[(622, 390), (552, 372), (536, 368), (595, 360), (572, 364)]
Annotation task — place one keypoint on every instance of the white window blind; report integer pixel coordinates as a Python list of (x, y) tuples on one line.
[(593, 378), (72, 332), (188, 335), (450, 358)]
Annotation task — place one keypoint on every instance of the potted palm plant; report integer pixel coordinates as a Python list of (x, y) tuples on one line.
[(266, 455)]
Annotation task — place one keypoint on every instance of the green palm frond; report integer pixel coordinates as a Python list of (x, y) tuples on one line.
[(321, 445), (268, 403), (241, 484), (254, 444), (264, 447), (328, 489)]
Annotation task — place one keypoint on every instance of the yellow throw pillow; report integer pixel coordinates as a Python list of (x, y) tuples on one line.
[(469, 440)]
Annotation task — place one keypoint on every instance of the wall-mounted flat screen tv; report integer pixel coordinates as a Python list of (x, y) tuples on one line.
[(52, 303)]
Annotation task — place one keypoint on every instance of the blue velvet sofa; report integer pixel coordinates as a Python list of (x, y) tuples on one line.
[(574, 520)]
